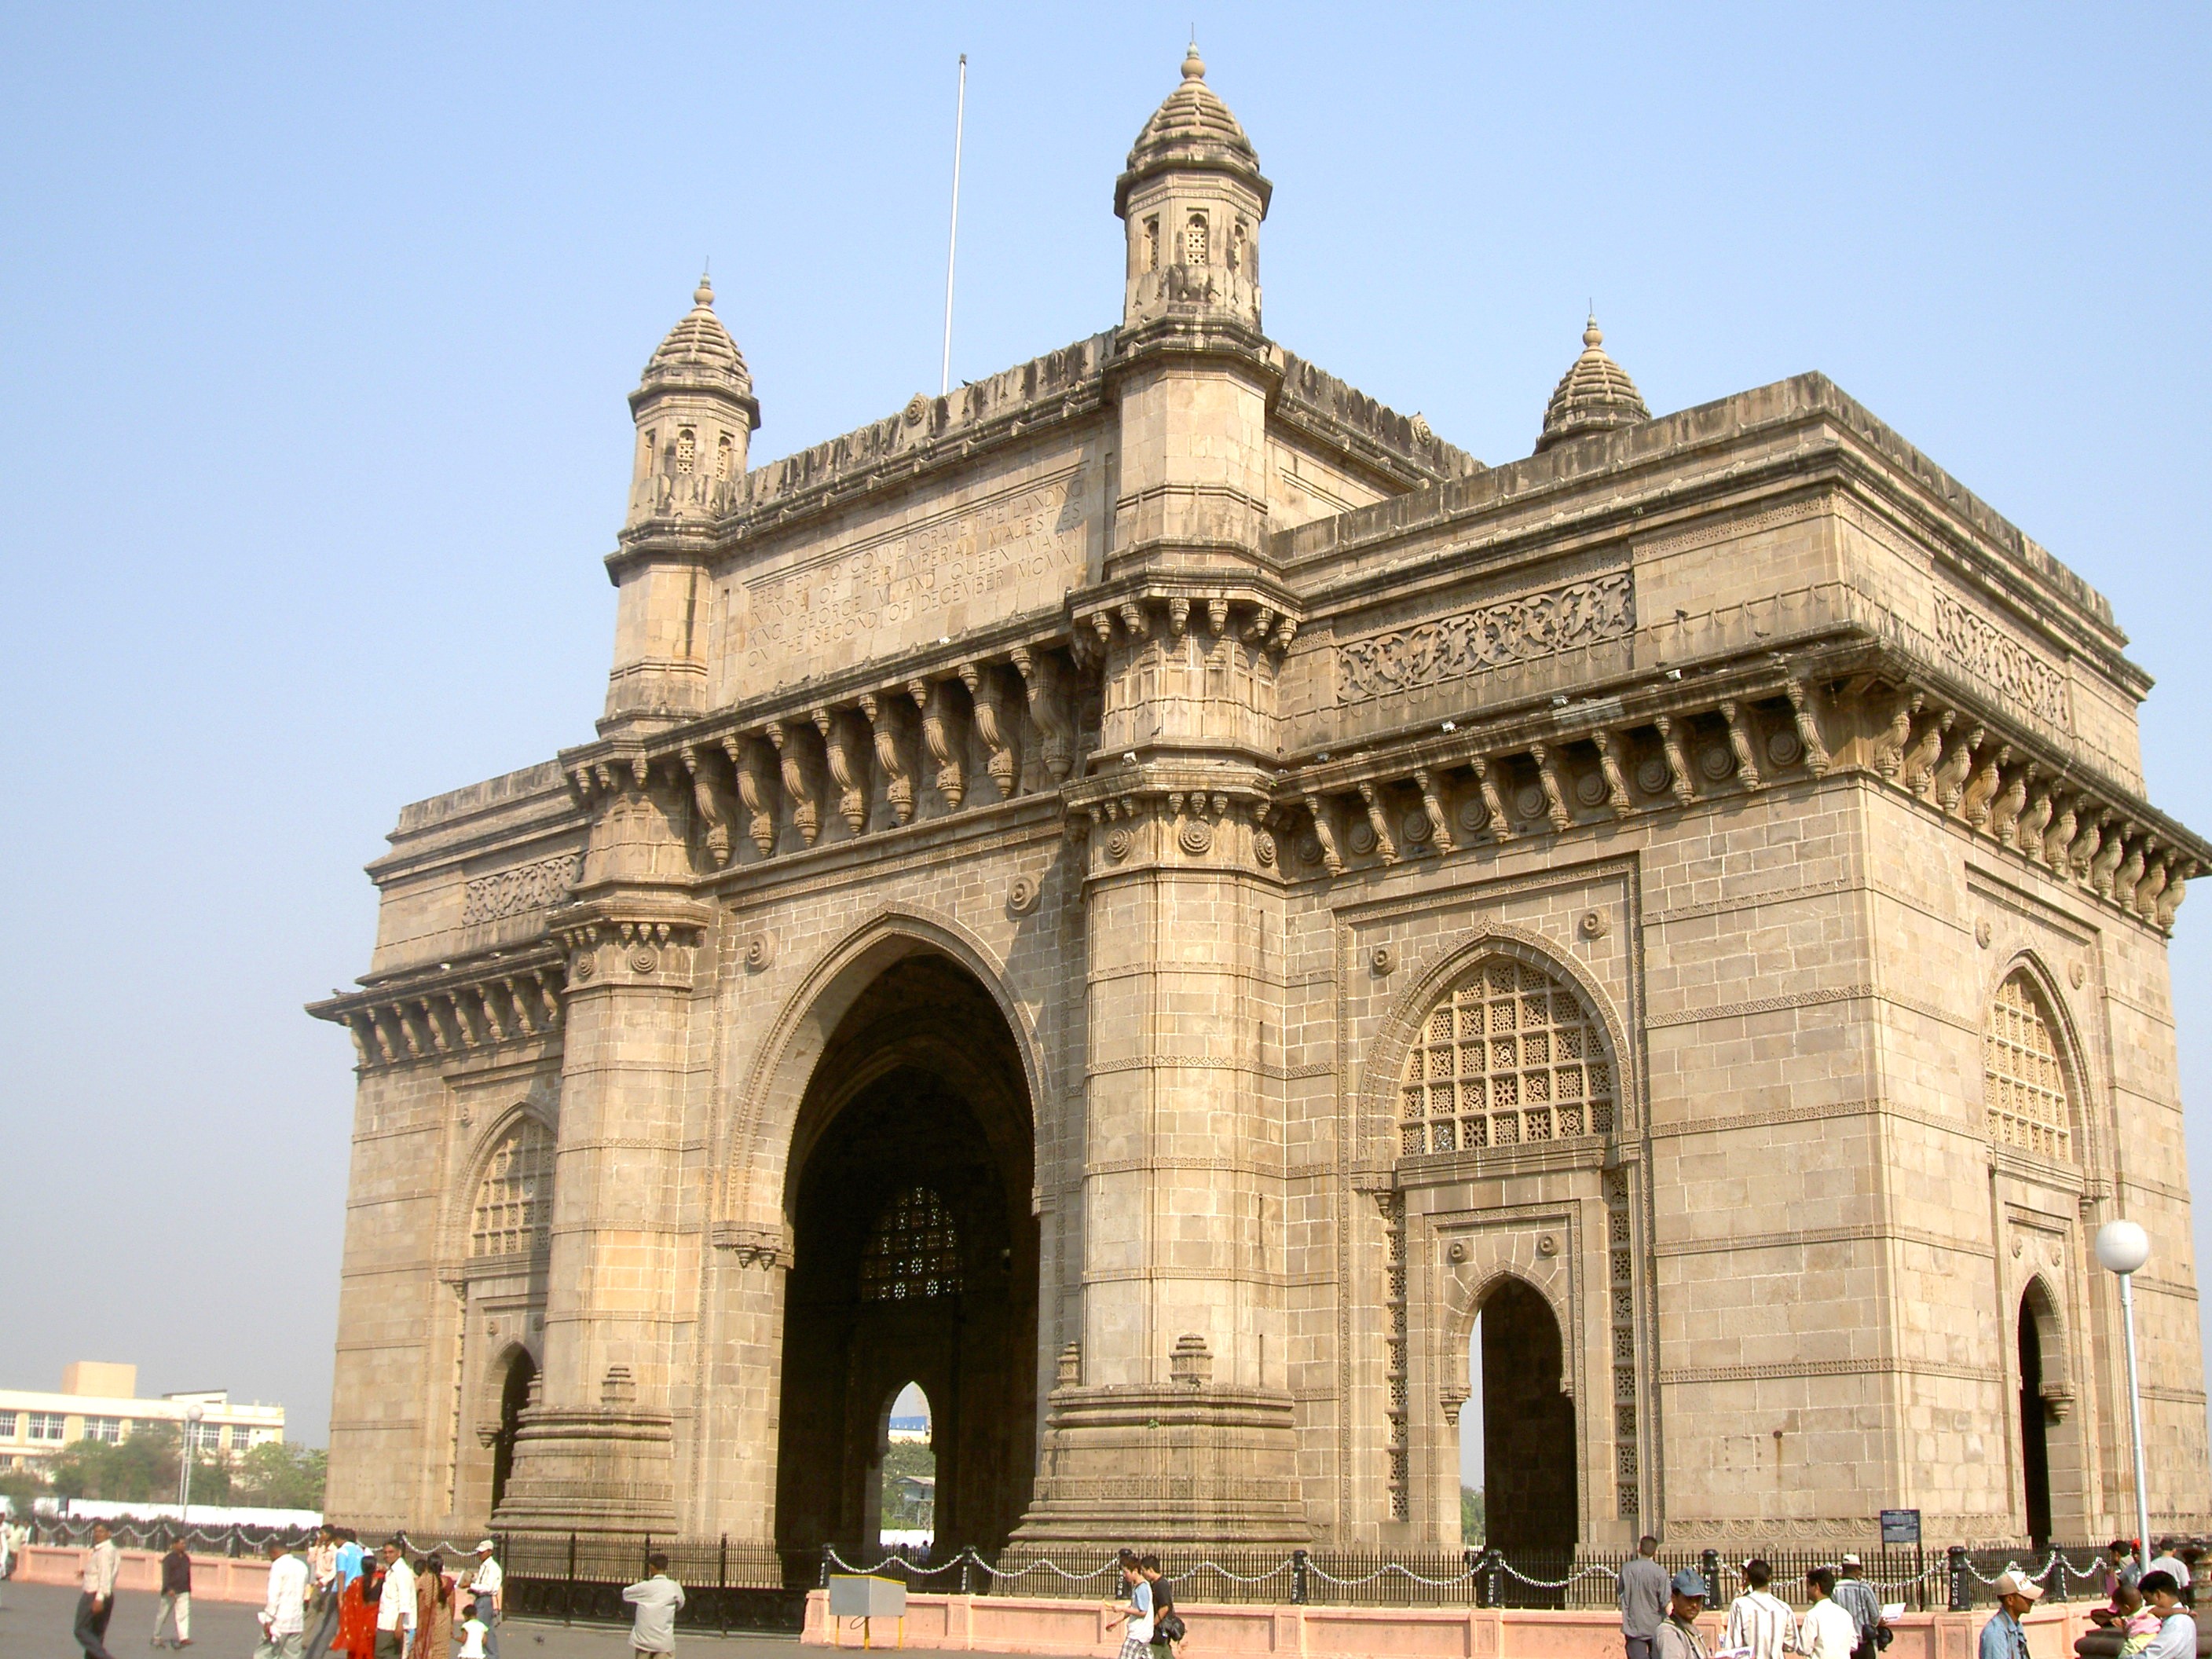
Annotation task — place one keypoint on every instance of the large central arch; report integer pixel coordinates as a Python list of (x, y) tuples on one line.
[(914, 1259)]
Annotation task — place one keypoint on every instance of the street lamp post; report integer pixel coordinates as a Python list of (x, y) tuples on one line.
[(2122, 1247), (194, 1413)]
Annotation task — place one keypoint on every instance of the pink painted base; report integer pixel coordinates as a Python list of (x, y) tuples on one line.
[(991, 1624), (215, 1578)]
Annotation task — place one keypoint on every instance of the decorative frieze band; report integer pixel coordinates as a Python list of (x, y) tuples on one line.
[(2000, 662), (1511, 631), (525, 887)]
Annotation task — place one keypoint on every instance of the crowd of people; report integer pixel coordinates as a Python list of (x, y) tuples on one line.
[(332, 1596), (2148, 1604)]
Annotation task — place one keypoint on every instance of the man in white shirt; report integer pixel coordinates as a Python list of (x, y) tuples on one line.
[(1828, 1632), (2177, 1629), (484, 1586), (2167, 1561), (395, 1606), (1759, 1622), (284, 1610), (657, 1598), (101, 1563)]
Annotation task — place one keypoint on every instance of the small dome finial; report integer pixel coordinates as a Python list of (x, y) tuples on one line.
[(1592, 335), (704, 293), (1193, 66)]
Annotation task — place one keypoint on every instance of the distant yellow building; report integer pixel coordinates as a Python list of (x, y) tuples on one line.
[(98, 1401)]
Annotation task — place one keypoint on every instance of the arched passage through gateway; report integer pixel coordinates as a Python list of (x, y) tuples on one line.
[(513, 1395), (1527, 1424), (914, 1260)]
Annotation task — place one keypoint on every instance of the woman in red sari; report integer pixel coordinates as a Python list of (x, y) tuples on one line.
[(357, 1636)]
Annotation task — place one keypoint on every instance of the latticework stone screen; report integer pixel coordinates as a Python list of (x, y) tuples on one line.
[(1509, 1054), (2023, 1085)]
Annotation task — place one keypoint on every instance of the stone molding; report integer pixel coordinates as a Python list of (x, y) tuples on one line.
[(1493, 635)]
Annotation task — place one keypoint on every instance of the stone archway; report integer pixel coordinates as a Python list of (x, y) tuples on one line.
[(515, 1384), (1527, 1427), (914, 1259)]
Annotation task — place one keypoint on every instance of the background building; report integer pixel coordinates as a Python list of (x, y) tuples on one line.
[(98, 1401), (1144, 895)]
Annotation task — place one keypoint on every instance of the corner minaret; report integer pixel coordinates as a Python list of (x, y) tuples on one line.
[(695, 412), (1593, 395), (1193, 197)]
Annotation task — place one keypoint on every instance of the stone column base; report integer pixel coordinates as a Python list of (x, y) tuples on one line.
[(1178, 1465), (591, 1469)]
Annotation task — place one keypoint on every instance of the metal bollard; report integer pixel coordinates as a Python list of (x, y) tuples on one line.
[(1299, 1589), (828, 1550), (1710, 1565), (1962, 1588)]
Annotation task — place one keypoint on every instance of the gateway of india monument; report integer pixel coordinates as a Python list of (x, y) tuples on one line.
[(1156, 898)]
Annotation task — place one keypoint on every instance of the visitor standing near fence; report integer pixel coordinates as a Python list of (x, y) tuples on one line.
[(1678, 1637), (96, 1600), (1167, 1624), (1858, 1598), (1826, 1632), (174, 1609), (395, 1608), (656, 1597), (2003, 1638), (284, 1608), (484, 1583), (1643, 1598), (1759, 1622)]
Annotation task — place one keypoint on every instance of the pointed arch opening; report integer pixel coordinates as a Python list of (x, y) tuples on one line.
[(1523, 1418), (915, 1268), (517, 1380), (907, 1487)]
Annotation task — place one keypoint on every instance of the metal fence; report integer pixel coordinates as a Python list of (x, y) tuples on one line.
[(736, 1585)]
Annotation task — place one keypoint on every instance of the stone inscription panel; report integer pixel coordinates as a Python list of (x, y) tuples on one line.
[(939, 575), (1509, 631), (526, 887), (2000, 661)]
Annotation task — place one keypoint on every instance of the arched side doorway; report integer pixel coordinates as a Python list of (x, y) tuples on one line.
[(2052, 1489), (1528, 1426), (915, 1260), (513, 1395)]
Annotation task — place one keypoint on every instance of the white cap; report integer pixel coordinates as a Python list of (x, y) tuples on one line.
[(2012, 1583), (486, 1548)]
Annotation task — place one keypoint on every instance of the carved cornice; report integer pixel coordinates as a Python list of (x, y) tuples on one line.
[(469, 1006), (1846, 704)]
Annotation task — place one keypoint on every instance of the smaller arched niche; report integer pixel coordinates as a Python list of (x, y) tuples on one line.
[(1194, 241), (2024, 1093), (1508, 1054), (513, 1209), (907, 1505)]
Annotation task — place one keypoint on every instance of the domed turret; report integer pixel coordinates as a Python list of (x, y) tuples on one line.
[(1593, 395), (1193, 197), (694, 410)]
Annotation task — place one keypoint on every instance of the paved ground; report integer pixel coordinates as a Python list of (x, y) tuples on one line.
[(35, 1621)]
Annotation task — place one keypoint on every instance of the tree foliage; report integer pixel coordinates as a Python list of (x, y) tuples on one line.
[(906, 1457), (144, 1467), (1473, 1521)]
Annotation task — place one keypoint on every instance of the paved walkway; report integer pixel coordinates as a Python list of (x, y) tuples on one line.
[(35, 1620)]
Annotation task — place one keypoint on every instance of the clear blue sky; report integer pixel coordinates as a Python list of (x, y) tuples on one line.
[(316, 322)]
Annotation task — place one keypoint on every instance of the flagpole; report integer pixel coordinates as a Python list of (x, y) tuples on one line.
[(952, 245)]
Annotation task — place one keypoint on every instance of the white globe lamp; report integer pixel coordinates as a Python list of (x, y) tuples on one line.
[(2123, 1246)]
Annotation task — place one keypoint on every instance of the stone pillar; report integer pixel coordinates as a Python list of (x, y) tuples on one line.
[(594, 1451), (739, 1414)]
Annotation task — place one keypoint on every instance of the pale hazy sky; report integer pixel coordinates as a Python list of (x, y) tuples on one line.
[(316, 322)]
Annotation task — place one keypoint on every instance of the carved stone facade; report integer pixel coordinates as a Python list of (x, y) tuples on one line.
[(1151, 894)]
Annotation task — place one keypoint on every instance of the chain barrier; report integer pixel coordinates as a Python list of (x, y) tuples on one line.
[(1049, 1566), (1287, 1565), (1384, 1571), (1512, 1571)]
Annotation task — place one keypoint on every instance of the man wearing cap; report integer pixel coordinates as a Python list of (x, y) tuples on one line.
[(1856, 1597), (2003, 1638), (2177, 1631), (483, 1585), (1678, 1637)]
